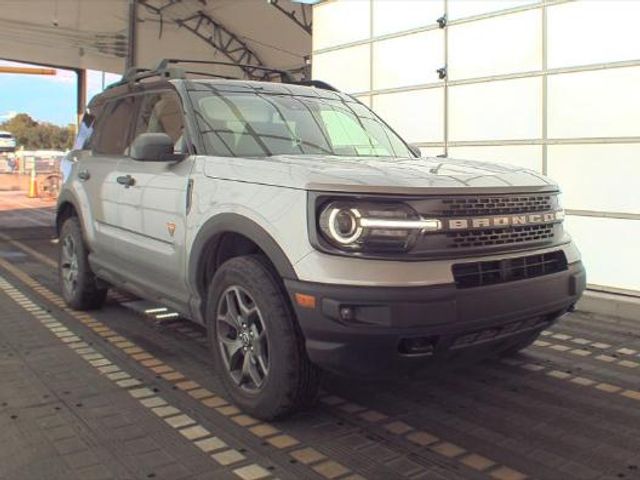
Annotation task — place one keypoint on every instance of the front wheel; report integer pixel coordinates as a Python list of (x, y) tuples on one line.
[(80, 288), (257, 345)]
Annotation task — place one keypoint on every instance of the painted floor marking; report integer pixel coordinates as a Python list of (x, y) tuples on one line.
[(186, 426), (586, 342), (426, 440), (580, 380), (601, 352), (215, 402)]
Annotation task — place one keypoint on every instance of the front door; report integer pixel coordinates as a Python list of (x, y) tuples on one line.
[(152, 209)]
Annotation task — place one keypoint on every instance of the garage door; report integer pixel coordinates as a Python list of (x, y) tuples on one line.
[(550, 86)]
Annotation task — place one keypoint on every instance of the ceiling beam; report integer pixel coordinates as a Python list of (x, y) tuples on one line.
[(303, 21)]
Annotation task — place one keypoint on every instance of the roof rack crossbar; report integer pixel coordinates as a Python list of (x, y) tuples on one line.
[(285, 75), (317, 84), (214, 75)]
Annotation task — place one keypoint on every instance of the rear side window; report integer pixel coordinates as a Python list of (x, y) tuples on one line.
[(112, 127), (161, 112)]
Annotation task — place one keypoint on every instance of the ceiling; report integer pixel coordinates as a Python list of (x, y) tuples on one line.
[(92, 34)]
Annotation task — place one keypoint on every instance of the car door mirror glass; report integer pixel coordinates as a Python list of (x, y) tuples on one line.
[(153, 147)]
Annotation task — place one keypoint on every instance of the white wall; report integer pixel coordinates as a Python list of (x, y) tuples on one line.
[(546, 85)]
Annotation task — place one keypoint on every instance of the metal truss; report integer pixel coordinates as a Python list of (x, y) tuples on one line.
[(211, 31), (304, 21), (226, 42)]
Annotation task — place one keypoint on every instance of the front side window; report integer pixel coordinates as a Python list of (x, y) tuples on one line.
[(112, 127), (265, 124), (161, 112)]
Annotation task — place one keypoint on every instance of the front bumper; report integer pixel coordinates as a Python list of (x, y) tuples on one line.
[(373, 339)]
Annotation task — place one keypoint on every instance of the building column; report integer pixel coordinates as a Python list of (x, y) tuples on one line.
[(132, 34), (81, 94)]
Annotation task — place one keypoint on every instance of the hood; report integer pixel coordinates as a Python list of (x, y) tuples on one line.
[(388, 175)]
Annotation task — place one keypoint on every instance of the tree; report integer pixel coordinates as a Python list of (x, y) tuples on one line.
[(33, 135)]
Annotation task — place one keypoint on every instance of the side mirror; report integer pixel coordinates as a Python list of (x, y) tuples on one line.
[(415, 150), (153, 147)]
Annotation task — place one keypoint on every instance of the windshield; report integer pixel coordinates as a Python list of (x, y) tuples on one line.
[(255, 124)]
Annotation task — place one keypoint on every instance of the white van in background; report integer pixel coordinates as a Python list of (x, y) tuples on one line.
[(7, 142)]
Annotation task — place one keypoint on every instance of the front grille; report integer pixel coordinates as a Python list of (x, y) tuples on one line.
[(508, 204), (478, 274), (486, 223), (500, 236)]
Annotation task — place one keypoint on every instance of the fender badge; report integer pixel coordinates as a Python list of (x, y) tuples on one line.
[(171, 227)]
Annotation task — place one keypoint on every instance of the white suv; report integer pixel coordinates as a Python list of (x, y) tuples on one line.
[(305, 234)]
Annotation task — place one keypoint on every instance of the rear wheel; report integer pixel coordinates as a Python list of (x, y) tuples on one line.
[(80, 288), (258, 348)]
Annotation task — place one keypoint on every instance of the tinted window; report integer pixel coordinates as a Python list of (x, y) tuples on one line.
[(161, 113), (112, 127)]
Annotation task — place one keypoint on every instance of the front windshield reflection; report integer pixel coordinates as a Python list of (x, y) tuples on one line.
[(261, 124)]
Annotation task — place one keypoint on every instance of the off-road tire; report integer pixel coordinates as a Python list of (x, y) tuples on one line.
[(88, 294), (292, 382)]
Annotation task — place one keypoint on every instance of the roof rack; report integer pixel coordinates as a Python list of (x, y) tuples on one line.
[(165, 69), (317, 84), (284, 75)]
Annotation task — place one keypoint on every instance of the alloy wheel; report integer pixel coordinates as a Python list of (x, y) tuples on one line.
[(242, 337), (69, 265)]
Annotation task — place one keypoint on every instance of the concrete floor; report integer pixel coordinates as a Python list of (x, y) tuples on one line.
[(117, 394)]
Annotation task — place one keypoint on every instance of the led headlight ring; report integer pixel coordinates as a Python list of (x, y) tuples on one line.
[(355, 230)]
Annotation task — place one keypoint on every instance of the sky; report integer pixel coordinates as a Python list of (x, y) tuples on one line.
[(46, 98)]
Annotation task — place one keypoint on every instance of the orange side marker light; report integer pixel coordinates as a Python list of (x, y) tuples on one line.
[(305, 301)]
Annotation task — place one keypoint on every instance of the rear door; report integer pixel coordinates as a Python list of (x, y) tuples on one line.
[(96, 172), (153, 210)]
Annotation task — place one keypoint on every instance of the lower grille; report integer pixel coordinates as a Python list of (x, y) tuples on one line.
[(478, 274)]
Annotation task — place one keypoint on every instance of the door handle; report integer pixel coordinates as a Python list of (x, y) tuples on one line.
[(84, 175), (126, 180)]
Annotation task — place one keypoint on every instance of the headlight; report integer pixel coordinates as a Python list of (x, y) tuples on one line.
[(372, 227), (343, 224)]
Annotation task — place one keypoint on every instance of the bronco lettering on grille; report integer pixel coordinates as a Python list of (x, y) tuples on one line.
[(505, 220)]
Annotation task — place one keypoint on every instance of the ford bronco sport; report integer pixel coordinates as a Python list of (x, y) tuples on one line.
[(305, 234)]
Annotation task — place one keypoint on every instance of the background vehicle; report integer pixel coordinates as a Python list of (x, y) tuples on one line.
[(306, 234), (7, 142)]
